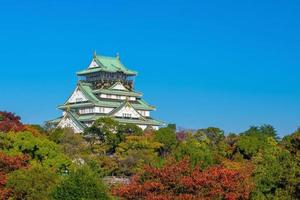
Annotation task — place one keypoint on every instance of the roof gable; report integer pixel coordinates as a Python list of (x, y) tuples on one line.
[(77, 96), (93, 64), (118, 86), (82, 93), (126, 110), (69, 121)]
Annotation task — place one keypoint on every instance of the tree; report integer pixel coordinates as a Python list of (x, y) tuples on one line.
[(135, 152), (276, 174), (71, 144), (265, 130), (167, 137), (10, 122), (56, 135), (213, 134), (198, 152), (40, 149), (181, 136), (33, 183), (7, 165), (292, 144), (130, 129), (106, 129), (179, 181), (35, 129), (254, 139), (80, 184)]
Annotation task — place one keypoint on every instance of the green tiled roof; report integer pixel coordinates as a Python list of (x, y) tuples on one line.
[(118, 92), (86, 89), (107, 103), (79, 120), (139, 121), (54, 121), (90, 117), (107, 64), (76, 105), (74, 117), (146, 121)]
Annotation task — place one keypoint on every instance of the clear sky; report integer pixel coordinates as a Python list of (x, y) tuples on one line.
[(229, 64)]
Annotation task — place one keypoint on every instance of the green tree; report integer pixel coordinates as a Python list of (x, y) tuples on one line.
[(81, 184), (135, 152), (213, 134), (266, 130), (276, 175), (292, 144), (39, 148), (130, 129), (198, 152), (254, 139), (106, 129), (33, 183), (167, 137), (56, 135), (73, 145)]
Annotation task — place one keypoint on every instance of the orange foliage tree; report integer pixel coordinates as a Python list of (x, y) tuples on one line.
[(7, 165), (10, 122), (179, 181)]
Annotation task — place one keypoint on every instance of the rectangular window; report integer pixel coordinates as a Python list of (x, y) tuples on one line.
[(86, 110), (127, 115), (102, 110)]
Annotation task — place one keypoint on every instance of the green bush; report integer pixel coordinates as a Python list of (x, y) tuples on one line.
[(33, 183), (81, 184)]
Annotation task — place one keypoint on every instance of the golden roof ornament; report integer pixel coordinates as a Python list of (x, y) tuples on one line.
[(68, 107)]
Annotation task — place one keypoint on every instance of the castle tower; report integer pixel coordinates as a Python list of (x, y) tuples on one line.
[(105, 89)]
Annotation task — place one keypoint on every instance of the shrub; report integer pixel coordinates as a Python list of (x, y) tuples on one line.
[(81, 184)]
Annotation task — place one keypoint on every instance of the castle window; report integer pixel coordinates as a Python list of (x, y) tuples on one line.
[(86, 111), (102, 110), (127, 115)]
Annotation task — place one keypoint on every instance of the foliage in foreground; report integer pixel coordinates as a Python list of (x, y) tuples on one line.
[(165, 164), (33, 183), (9, 164), (80, 184), (178, 180)]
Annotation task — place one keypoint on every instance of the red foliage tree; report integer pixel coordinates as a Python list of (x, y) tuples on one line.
[(10, 122), (178, 181), (180, 136), (9, 164)]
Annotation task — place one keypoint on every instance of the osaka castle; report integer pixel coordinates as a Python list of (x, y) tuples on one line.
[(105, 89)]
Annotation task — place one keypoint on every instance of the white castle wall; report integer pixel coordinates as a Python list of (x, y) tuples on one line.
[(112, 96)]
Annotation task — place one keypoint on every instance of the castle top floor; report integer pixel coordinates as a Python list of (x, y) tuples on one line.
[(104, 71)]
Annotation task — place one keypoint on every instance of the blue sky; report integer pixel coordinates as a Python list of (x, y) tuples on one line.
[(229, 64)]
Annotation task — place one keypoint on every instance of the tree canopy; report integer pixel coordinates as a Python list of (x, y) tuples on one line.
[(111, 160)]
